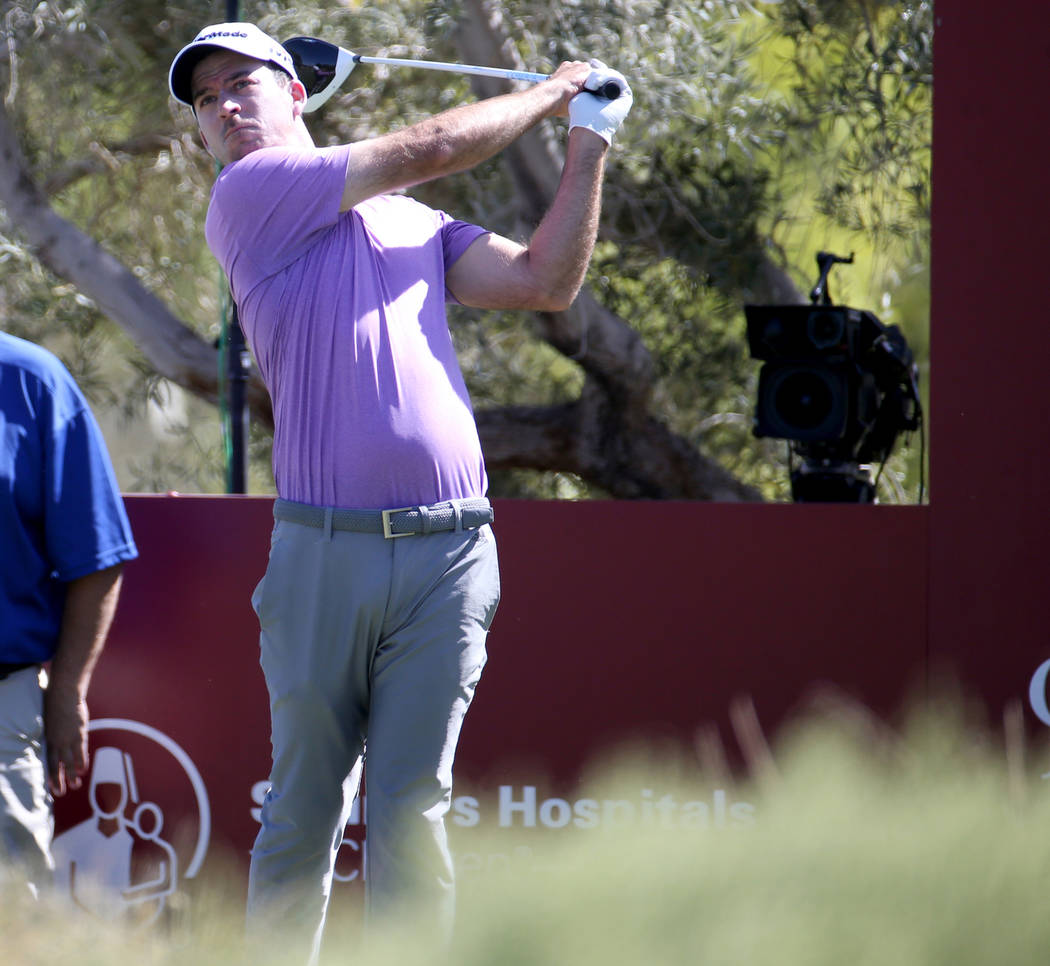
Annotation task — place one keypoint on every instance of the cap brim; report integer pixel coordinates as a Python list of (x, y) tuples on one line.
[(180, 76), (180, 79)]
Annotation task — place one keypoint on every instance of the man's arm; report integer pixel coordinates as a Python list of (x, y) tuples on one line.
[(497, 273), (91, 602), (457, 139)]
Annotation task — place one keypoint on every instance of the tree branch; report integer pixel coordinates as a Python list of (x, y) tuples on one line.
[(172, 348), (105, 157), (628, 453)]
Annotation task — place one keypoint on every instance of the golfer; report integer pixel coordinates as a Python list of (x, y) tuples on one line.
[(382, 579)]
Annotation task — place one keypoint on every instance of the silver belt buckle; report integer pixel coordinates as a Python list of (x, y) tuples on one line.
[(388, 534)]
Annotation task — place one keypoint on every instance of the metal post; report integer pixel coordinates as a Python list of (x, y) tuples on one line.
[(237, 365)]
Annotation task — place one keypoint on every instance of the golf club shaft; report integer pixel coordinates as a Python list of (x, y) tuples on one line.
[(521, 75), (610, 90)]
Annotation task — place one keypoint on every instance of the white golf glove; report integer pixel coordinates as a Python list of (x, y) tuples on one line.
[(596, 112)]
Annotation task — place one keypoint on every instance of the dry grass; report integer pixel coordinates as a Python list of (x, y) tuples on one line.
[(919, 849)]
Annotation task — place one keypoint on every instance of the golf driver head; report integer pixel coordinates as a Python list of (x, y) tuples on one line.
[(321, 66)]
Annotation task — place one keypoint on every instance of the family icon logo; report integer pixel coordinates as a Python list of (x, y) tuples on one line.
[(121, 861), (1037, 692), (1037, 697)]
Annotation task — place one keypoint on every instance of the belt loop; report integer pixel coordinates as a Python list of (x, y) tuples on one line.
[(329, 513), (457, 510), (424, 519)]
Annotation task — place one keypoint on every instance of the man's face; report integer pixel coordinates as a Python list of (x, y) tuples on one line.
[(241, 106)]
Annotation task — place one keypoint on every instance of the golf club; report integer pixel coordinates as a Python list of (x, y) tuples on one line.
[(323, 66)]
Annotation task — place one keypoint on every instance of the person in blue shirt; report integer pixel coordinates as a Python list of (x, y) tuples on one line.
[(64, 539)]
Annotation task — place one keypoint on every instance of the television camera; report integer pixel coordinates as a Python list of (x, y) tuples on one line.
[(837, 384)]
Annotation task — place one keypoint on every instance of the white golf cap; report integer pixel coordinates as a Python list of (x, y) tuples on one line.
[(242, 38)]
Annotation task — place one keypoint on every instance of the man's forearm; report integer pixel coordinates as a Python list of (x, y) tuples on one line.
[(91, 603), (561, 247), (455, 140)]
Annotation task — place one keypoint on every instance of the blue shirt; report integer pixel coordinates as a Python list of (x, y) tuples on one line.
[(61, 513)]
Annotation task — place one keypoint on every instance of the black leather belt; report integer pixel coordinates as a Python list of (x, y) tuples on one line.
[(6, 670), (402, 522)]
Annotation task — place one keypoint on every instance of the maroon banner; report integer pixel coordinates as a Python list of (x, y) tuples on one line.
[(620, 623)]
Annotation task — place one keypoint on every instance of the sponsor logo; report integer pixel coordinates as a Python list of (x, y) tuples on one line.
[(121, 862), (276, 52), (522, 807), (222, 33), (1037, 692)]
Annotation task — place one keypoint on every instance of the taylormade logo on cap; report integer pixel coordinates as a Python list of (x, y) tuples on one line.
[(242, 38)]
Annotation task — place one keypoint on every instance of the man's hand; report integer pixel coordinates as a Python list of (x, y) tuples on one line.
[(598, 114), (570, 77), (65, 735)]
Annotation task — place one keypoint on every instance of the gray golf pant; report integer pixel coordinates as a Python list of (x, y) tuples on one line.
[(365, 639)]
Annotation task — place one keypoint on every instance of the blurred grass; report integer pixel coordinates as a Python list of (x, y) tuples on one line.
[(927, 846)]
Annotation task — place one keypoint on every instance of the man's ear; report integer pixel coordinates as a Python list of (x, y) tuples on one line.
[(298, 98)]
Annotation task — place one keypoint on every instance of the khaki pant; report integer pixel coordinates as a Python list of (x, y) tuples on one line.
[(26, 825)]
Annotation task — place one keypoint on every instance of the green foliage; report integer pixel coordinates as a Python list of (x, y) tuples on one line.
[(85, 89), (706, 379), (761, 133)]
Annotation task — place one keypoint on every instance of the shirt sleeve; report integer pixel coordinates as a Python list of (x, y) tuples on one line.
[(86, 524), (456, 238)]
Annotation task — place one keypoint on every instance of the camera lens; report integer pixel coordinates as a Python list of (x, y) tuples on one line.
[(826, 329), (804, 400)]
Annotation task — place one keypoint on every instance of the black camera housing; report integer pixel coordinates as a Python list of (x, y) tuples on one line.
[(836, 382)]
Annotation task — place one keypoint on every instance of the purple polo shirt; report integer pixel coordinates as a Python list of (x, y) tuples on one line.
[(345, 315)]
